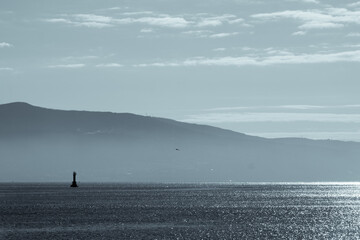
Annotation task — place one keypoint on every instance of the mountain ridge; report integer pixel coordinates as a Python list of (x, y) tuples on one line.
[(14, 112), (40, 144)]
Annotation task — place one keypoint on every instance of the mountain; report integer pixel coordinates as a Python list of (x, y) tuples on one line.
[(38, 144)]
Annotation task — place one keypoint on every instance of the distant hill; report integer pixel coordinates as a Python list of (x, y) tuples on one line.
[(38, 144)]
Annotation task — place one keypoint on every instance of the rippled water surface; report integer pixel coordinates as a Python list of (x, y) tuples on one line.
[(180, 211)]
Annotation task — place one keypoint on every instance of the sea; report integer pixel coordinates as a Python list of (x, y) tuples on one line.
[(180, 211)]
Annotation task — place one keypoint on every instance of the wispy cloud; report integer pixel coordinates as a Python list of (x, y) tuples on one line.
[(93, 24), (109, 65), (354, 34), (354, 4), (76, 58), (99, 21), (199, 33), (219, 49), (209, 34), (320, 25), (214, 21), (272, 117), (148, 18), (298, 116), (92, 18), (83, 20), (286, 107), (316, 19), (311, 1), (6, 69), (223, 35), (115, 8), (57, 20), (165, 21), (299, 33), (274, 51), (289, 58), (138, 13), (338, 135), (71, 66), (5, 44), (146, 30)]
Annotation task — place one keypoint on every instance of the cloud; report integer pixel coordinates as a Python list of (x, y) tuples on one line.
[(114, 8), (6, 12), (92, 18), (199, 33), (6, 69), (138, 13), (316, 19), (83, 20), (99, 21), (299, 116), (159, 64), (215, 21), (210, 23), (109, 65), (286, 107), (338, 135), (219, 49), (71, 66), (238, 20), (354, 4), (305, 107), (311, 1), (171, 22), (273, 51), (351, 45), (305, 1), (93, 24), (210, 118), (354, 34), (320, 25), (148, 18), (146, 30), (275, 115), (72, 58), (299, 33), (223, 35), (57, 20), (248, 48), (209, 34), (289, 58), (5, 44)]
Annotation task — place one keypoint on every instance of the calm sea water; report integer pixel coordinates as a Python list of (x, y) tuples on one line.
[(180, 211)]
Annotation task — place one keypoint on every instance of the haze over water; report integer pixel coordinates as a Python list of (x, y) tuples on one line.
[(180, 211)]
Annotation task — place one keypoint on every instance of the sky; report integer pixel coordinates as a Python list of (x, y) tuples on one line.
[(271, 68)]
